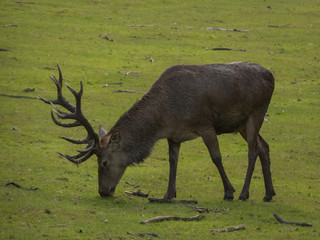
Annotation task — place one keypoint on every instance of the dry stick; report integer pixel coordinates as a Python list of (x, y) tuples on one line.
[(224, 29), (281, 220), (15, 96), (225, 49), (279, 26), (169, 218), (202, 209), (229, 229), (132, 185), (18, 186), (105, 37), (127, 91), (161, 200), (152, 25), (144, 234), (137, 193)]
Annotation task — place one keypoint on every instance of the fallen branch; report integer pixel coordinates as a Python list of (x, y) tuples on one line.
[(225, 49), (137, 193), (144, 234), (19, 186), (10, 25), (26, 2), (202, 209), (132, 185), (15, 96), (229, 229), (279, 26), (152, 25), (127, 91), (225, 29), (281, 220), (169, 218), (105, 37), (161, 200), (29, 90)]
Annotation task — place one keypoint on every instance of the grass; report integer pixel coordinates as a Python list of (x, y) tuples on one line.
[(67, 205)]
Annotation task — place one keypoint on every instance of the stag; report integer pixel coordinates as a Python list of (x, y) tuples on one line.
[(186, 102)]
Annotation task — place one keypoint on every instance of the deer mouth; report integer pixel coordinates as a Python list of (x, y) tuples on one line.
[(107, 194)]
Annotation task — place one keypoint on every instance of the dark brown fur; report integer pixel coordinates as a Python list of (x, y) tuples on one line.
[(190, 101)]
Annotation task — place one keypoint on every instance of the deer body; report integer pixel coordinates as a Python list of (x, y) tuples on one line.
[(186, 102)]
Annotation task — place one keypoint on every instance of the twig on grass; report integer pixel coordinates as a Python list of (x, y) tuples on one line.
[(151, 25), (16, 96), (202, 209), (229, 229), (19, 186), (161, 200), (127, 91), (225, 49), (131, 184), (26, 2), (10, 25), (144, 234), (281, 220), (279, 26), (137, 193), (169, 218), (104, 36), (225, 29)]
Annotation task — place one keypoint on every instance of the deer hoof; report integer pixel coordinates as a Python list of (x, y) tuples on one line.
[(169, 196), (268, 197), (228, 198), (244, 196)]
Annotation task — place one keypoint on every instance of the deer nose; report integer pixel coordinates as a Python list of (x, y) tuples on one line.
[(103, 194), (107, 194)]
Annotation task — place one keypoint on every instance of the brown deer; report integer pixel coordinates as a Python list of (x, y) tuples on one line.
[(186, 102)]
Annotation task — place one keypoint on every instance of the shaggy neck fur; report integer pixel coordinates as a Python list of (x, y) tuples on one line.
[(137, 129)]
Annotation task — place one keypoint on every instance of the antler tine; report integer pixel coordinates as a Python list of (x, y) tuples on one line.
[(60, 98), (68, 125), (79, 94), (83, 141), (76, 114), (91, 145), (76, 160), (59, 113), (60, 75)]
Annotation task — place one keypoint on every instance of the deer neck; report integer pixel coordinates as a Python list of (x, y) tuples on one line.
[(138, 128)]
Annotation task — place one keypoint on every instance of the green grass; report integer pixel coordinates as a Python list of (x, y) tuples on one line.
[(67, 204)]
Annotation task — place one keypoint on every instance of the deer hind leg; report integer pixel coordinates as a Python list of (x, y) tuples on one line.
[(250, 134), (210, 139), (265, 164), (174, 148)]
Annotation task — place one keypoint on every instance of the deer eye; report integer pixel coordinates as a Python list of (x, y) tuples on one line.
[(105, 163)]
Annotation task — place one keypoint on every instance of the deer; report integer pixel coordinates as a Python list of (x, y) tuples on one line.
[(184, 103)]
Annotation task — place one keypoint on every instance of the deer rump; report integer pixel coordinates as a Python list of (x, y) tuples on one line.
[(187, 101)]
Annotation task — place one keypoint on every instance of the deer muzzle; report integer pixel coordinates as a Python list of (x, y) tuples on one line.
[(108, 193)]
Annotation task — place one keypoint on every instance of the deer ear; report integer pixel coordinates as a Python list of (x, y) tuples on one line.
[(102, 131), (115, 138), (104, 141)]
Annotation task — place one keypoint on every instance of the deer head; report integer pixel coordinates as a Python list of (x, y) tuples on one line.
[(108, 148)]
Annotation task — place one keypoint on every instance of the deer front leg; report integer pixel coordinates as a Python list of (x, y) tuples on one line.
[(210, 139), (174, 148)]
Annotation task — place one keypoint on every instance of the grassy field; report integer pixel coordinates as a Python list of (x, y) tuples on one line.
[(281, 35)]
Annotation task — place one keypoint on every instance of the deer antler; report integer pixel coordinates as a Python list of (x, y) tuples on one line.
[(92, 138)]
